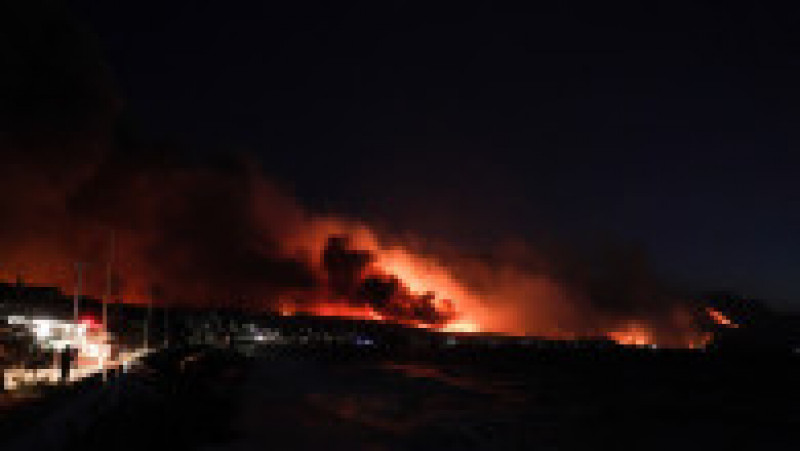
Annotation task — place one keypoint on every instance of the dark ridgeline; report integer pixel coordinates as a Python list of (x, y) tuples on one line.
[(758, 330)]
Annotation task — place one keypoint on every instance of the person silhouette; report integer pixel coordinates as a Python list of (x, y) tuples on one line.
[(66, 363)]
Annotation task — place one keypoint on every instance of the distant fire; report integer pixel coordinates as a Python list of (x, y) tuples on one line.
[(213, 230), (389, 285), (365, 280), (210, 237), (720, 318), (632, 334), (352, 275)]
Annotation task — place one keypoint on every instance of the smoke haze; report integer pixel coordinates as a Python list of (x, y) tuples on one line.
[(222, 233)]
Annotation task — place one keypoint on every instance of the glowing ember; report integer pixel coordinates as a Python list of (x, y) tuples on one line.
[(632, 334), (720, 318), (464, 326)]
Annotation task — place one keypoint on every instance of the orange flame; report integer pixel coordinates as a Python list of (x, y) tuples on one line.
[(632, 334), (720, 318)]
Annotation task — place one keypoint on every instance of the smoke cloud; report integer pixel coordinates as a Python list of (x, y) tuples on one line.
[(73, 188)]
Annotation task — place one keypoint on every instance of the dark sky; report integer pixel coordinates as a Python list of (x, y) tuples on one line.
[(673, 127)]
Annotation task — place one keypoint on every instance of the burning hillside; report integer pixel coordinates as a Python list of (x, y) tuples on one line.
[(228, 237), (221, 233)]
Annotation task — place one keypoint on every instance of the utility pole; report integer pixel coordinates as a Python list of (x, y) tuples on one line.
[(147, 324), (108, 281), (166, 325), (79, 266), (107, 295), (157, 295), (19, 284)]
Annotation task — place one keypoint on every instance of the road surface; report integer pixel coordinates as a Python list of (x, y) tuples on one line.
[(294, 401)]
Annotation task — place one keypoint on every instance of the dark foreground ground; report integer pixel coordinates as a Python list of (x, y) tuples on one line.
[(283, 399)]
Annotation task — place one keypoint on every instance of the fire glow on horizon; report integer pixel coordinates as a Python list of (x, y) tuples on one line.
[(424, 277), (272, 252), (421, 291), (720, 318)]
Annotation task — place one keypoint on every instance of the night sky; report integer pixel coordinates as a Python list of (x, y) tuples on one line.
[(673, 128)]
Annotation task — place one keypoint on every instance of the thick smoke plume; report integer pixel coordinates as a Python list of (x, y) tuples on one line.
[(73, 189)]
